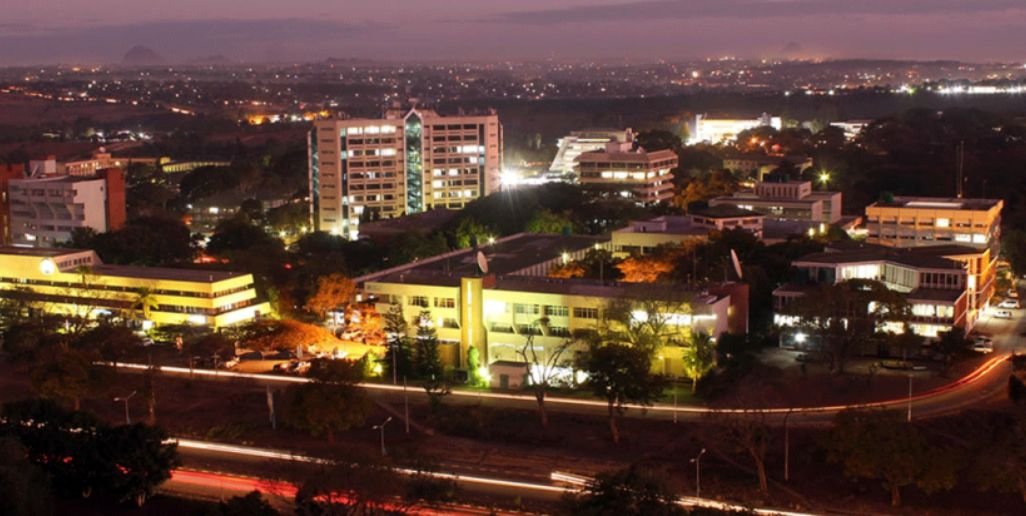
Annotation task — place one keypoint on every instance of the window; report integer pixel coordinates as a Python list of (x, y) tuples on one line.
[(557, 311), (586, 313), (526, 309), (421, 301), (445, 302)]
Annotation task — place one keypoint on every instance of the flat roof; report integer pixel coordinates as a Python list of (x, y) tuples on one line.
[(42, 252), (607, 289), (675, 225), (913, 258), (506, 256), (164, 273), (725, 211), (638, 155), (938, 203)]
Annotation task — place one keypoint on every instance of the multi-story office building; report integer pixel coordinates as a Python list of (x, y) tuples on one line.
[(644, 236), (722, 130), (578, 142), (787, 200), (7, 173), (926, 221), (935, 282), (403, 163), (76, 283), (45, 211), (497, 310), (623, 170)]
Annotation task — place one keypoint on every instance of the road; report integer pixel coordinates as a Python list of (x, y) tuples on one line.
[(216, 471)]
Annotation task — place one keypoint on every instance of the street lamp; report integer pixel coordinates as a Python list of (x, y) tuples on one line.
[(381, 427), (698, 473), (125, 399), (824, 177)]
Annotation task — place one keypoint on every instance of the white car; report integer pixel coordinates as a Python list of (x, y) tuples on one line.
[(1010, 303), (983, 347), (1002, 314)]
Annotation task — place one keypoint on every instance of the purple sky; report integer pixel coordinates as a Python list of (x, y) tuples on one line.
[(98, 31)]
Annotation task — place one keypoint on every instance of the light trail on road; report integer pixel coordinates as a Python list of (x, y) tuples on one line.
[(974, 376)]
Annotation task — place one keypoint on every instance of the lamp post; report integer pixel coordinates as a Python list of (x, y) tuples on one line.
[(698, 473), (381, 427), (910, 396), (395, 350), (125, 399), (787, 448)]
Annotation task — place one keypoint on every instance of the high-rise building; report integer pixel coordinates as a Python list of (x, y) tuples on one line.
[(7, 173), (45, 211), (625, 171), (403, 163)]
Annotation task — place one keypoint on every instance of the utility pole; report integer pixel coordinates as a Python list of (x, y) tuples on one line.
[(381, 427), (125, 399), (910, 396), (406, 406), (698, 473), (787, 448)]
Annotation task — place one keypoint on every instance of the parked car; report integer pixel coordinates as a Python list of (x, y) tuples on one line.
[(1013, 293), (1010, 303), (1002, 314)]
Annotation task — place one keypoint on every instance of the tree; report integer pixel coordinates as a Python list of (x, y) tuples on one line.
[(621, 374), (333, 291), (110, 342), (880, 445), (145, 301), (24, 487), (543, 370), (699, 357), (348, 488), (1013, 248), (844, 316), (426, 358), (547, 221), (214, 345), (749, 433), (141, 458), (470, 232), (399, 354), (66, 374), (1000, 458), (329, 403), (952, 344), (631, 491), (253, 504)]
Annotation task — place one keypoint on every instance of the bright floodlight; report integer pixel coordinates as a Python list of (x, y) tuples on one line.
[(800, 338)]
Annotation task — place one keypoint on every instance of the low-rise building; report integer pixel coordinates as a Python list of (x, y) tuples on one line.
[(100, 160), (502, 299), (45, 211), (939, 286), (787, 200), (623, 170), (643, 236), (851, 128), (76, 283), (928, 221), (724, 130)]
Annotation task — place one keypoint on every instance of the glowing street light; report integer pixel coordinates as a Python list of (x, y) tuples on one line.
[(824, 177)]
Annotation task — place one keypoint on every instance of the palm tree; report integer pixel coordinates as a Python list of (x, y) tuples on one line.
[(144, 302)]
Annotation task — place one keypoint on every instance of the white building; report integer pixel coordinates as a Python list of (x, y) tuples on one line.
[(45, 211), (578, 142), (723, 130)]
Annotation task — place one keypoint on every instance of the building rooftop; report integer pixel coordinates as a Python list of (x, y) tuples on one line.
[(164, 273), (40, 252), (606, 289), (424, 222), (725, 211), (938, 203), (507, 255), (639, 155), (916, 257)]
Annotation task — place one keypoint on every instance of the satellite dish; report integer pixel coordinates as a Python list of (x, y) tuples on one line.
[(482, 262)]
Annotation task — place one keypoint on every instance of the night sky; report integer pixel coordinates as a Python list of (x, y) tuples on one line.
[(100, 31)]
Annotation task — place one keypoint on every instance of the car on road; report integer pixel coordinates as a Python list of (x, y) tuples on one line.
[(1010, 303), (1002, 314), (983, 347)]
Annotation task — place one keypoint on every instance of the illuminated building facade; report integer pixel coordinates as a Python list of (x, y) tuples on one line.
[(45, 211), (625, 171), (404, 163), (724, 130), (498, 311), (76, 283), (787, 200), (926, 221), (578, 142), (938, 284)]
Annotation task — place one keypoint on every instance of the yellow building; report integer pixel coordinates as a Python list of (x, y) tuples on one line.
[(76, 283), (927, 221), (498, 311)]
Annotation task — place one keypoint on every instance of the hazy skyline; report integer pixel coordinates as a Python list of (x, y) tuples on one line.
[(101, 31)]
